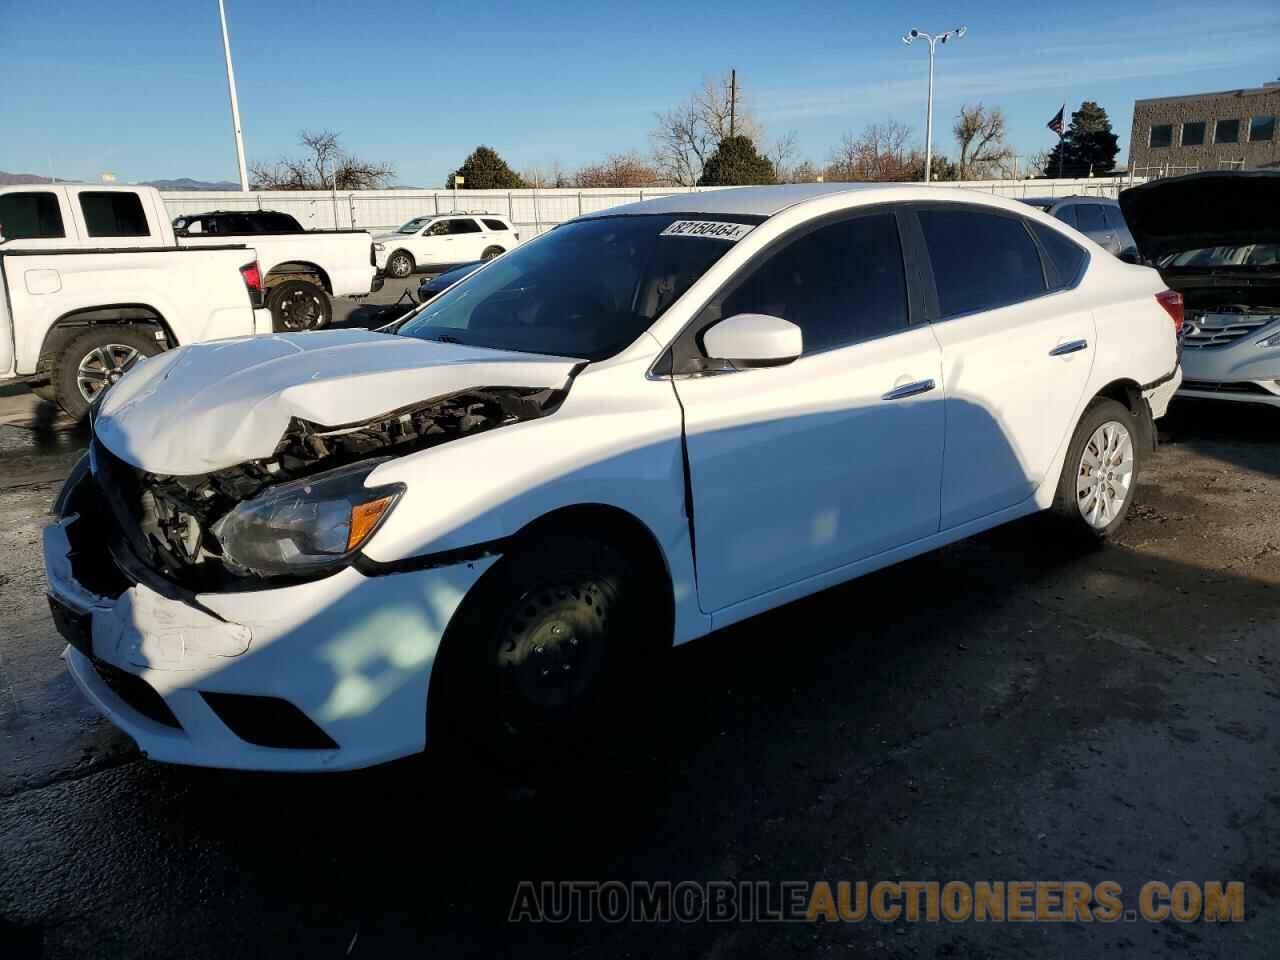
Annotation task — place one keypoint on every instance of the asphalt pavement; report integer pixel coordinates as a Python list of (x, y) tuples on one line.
[(1011, 707)]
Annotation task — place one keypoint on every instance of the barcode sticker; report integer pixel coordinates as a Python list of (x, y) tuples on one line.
[(711, 229)]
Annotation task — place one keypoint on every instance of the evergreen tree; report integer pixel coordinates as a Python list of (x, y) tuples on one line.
[(736, 162), (485, 170), (1088, 146)]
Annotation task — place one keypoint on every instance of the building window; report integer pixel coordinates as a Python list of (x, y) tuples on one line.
[(1161, 135), (1261, 129), (1226, 131), (1193, 134)]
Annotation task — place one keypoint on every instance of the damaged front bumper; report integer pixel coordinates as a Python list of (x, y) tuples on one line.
[(326, 675)]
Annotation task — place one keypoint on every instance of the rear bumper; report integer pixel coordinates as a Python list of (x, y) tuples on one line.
[(1158, 396)]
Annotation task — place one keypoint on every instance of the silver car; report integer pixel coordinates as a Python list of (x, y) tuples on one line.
[(1215, 237), (1098, 218)]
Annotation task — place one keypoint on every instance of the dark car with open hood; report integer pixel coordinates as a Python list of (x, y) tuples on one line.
[(1215, 237)]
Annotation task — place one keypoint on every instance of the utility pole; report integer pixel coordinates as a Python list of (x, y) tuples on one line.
[(235, 104), (733, 99)]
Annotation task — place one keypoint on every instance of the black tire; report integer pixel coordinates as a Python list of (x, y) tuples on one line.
[(400, 264), (491, 252), (1072, 502), (535, 667), (298, 305), (100, 355)]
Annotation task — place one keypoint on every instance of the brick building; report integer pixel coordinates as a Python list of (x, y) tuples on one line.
[(1231, 129)]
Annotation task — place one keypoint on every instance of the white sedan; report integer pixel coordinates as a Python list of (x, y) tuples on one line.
[(311, 551), (441, 241)]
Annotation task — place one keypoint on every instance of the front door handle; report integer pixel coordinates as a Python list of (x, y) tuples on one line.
[(909, 390), (1071, 346)]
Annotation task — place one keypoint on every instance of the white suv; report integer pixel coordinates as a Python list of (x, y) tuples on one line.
[(443, 241), (308, 551)]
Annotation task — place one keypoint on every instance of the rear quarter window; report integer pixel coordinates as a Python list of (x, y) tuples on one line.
[(112, 214), (1065, 256), (495, 224), (981, 260)]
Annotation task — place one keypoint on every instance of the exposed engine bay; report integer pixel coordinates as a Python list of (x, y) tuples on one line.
[(170, 519)]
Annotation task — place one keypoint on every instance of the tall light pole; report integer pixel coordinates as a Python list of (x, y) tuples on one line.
[(934, 40), (235, 104)]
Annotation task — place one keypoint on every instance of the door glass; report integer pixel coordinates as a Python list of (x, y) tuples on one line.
[(840, 284), (1089, 217), (1067, 215), (438, 229), (112, 214), (980, 260), (463, 225), (29, 216), (1068, 257)]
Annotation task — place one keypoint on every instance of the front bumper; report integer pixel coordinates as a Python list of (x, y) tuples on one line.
[(1240, 370), (327, 675)]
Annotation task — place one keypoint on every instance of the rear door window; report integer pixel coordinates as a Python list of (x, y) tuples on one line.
[(113, 214), (30, 216), (1067, 214), (1089, 216), (463, 225), (981, 260)]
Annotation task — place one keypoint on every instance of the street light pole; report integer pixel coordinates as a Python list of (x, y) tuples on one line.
[(933, 40), (235, 104)]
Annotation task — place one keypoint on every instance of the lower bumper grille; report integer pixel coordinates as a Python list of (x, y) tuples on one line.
[(1218, 386), (137, 693), (268, 721)]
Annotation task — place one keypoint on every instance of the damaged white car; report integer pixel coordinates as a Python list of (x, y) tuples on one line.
[(314, 551)]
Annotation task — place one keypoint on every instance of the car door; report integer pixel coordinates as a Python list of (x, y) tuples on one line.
[(1016, 352), (467, 240), (796, 470), (433, 245)]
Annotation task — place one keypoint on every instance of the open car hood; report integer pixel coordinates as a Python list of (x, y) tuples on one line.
[(1213, 209), (209, 406)]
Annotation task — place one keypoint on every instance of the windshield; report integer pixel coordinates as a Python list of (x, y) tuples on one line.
[(586, 289), (1249, 255), (414, 225)]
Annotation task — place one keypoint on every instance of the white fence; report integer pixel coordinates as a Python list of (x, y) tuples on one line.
[(532, 211)]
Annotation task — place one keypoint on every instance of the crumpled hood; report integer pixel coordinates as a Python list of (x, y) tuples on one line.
[(208, 406), (1211, 209)]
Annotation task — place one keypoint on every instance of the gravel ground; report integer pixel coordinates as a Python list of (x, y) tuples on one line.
[(1007, 708)]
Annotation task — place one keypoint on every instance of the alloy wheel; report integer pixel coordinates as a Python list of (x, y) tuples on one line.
[(1105, 474), (103, 366)]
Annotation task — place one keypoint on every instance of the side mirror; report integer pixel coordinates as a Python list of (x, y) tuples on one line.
[(753, 340)]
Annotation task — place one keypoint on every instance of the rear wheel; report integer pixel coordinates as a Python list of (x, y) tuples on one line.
[(1100, 473), (535, 662), (400, 264), (298, 305), (491, 252), (95, 360)]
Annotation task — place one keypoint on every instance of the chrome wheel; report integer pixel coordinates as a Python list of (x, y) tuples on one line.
[(103, 366), (1105, 474), (399, 266)]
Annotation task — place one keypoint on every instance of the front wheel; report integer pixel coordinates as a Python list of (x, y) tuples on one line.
[(535, 662), (400, 264), (491, 252), (1100, 473), (298, 305)]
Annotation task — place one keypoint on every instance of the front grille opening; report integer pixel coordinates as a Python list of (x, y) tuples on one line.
[(268, 721), (137, 693)]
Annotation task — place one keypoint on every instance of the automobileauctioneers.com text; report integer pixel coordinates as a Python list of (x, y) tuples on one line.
[(885, 901)]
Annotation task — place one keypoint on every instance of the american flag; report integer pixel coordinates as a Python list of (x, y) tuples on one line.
[(1056, 123)]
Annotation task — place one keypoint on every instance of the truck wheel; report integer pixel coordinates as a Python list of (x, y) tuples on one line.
[(400, 264), (95, 360), (1100, 474), (299, 305), (535, 664), (492, 252)]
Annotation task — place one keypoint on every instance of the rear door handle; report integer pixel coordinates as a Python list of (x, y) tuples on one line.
[(1071, 346), (909, 390)]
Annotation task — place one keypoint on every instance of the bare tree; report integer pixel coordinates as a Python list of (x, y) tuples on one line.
[(618, 170), (804, 172), (553, 176), (325, 166), (883, 151), (783, 156), (980, 132), (1036, 165), (686, 135)]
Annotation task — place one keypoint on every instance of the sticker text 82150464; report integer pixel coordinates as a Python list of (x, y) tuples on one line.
[(711, 229)]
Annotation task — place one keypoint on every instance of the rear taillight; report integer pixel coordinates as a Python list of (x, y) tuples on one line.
[(1171, 300), (253, 282)]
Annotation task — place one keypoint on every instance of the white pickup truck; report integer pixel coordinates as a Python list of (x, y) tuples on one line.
[(86, 289)]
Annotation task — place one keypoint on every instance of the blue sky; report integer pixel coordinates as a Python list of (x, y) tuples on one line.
[(137, 87)]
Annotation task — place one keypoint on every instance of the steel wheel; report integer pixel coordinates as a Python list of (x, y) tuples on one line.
[(103, 366), (1105, 474)]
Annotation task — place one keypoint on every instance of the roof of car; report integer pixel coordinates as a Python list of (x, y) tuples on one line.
[(751, 201), (1073, 196)]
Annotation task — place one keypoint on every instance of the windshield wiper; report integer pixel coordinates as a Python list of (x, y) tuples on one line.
[(445, 338)]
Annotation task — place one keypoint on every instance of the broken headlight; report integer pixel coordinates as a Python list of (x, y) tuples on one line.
[(307, 526)]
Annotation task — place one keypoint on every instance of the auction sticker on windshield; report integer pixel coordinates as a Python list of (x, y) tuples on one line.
[(714, 229)]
